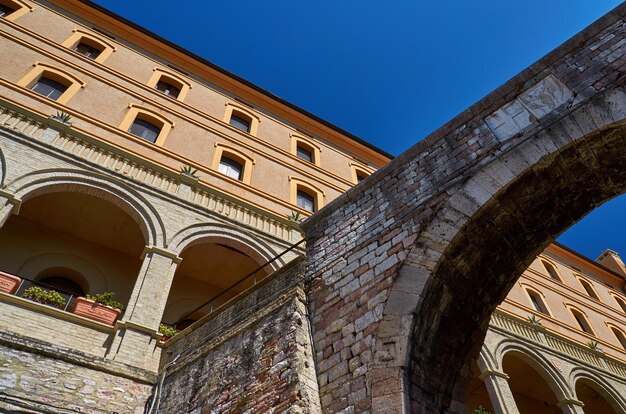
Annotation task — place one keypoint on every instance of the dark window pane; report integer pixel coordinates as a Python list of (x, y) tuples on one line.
[(305, 201), (582, 322), (589, 289), (49, 88), (360, 177), (551, 271), (537, 303), (168, 89), (87, 51), (230, 168), (240, 123), (304, 154), (145, 130), (5, 10), (63, 284)]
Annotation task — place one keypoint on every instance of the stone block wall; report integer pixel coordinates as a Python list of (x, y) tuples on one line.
[(37, 377), (253, 355)]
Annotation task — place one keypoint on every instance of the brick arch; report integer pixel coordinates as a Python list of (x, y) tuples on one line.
[(231, 236), (608, 392), (99, 186)]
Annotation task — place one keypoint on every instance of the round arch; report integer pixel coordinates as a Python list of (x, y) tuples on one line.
[(484, 232), (229, 235), (99, 186), (601, 386)]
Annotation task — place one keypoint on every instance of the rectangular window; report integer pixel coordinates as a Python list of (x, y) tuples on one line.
[(240, 123), (304, 154), (305, 201), (168, 89), (87, 51), (145, 130), (230, 168), (49, 88)]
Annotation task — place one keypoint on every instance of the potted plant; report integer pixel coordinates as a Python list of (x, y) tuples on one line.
[(166, 332), (100, 307), (47, 297), (63, 118), (9, 283), (189, 171)]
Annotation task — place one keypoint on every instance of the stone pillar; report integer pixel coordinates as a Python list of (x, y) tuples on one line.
[(8, 205), (135, 342), (571, 406), (500, 394)]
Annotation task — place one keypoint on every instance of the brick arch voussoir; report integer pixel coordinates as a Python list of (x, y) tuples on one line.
[(252, 246), (488, 207), (606, 390), (100, 186)]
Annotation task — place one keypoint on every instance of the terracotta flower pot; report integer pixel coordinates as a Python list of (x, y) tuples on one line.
[(96, 311), (9, 283)]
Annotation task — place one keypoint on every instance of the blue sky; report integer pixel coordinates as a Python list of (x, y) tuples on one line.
[(389, 72)]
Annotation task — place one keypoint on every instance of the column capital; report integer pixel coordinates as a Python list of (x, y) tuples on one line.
[(570, 401), (494, 373), (161, 252)]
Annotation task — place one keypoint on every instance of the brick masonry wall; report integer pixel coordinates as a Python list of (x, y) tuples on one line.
[(36, 377), (390, 263), (254, 355)]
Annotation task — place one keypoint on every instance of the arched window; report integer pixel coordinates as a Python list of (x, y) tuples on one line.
[(52, 82), (619, 334), (621, 302), (89, 45), (12, 9), (169, 83), (228, 166), (147, 124), (305, 200), (581, 320), (232, 162), (241, 118), (551, 270), (63, 280), (305, 149), (537, 301), (588, 288)]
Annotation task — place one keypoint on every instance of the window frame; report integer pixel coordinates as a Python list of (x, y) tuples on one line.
[(79, 36), (174, 79), (20, 9), (532, 292), (573, 310), (547, 265), (223, 150), (357, 168), (229, 163), (308, 144), (40, 70), (615, 330), (297, 184), (621, 303), (148, 115), (238, 109), (587, 287)]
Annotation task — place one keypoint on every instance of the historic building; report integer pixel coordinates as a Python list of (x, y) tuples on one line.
[(129, 165)]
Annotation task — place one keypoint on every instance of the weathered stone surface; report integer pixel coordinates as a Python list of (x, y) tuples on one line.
[(253, 355)]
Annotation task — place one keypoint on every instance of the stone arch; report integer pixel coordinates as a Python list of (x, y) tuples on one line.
[(601, 386), (232, 236), (478, 240), (96, 280), (3, 168), (99, 186), (539, 363)]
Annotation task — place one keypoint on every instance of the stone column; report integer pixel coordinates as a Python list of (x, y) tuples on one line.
[(8, 205), (135, 340), (571, 406), (500, 394)]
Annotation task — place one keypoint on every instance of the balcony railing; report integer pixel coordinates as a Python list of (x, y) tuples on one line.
[(148, 173), (540, 335)]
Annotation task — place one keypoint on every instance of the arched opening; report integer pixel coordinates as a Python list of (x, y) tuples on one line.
[(495, 245), (595, 398), (74, 242), (209, 269), (530, 390)]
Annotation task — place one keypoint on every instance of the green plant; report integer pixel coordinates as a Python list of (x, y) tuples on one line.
[(534, 320), (106, 298), (63, 117), (47, 297), (295, 216), (481, 410), (594, 346), (167, 331), (186, 169)]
